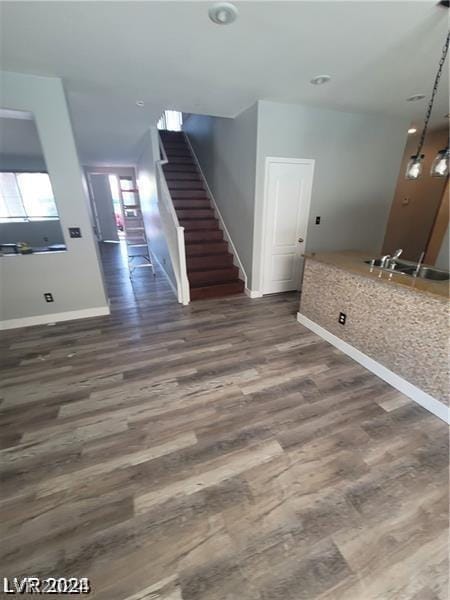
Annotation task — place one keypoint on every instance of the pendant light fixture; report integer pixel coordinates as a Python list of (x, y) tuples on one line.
[(440, 164), (439, 168)]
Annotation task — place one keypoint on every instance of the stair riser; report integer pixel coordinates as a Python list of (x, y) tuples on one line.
[(182, 160), (203, 236), (185, 185), (188, 194), (209, 262), (206, 249), (180, 168), (178, 153), (200, 224), (181, 145), (195, 214), (176, 176), (213, 276), (192, 204), (217, 291)]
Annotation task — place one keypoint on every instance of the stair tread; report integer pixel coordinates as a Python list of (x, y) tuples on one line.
[(217, 290)]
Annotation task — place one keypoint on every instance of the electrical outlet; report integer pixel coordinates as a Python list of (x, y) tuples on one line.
[(317, 220), (48, 297), (342, 318), (74, 232)]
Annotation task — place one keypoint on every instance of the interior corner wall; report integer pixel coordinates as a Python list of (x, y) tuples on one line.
[(73, 277), (148, 195), (226, 151), (357, 160)]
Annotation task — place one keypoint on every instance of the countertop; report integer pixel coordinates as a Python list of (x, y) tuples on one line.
[(354, 262)]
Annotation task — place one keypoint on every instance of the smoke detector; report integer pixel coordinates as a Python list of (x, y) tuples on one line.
[(223, 13), (320, 79), (415, 98)]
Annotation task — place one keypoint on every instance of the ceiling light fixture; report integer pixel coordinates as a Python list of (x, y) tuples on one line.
[(412, 130), (223, 13), (140, 103), (439, 167), (415, 98), (320, 79)]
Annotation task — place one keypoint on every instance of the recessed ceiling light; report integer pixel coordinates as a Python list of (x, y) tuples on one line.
[(223, 13), (412, 130), (415, 97), (140, 103), (320, 79)]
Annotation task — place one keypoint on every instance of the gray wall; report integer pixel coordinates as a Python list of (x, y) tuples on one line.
[(146, 181), (14, 162), (357, 160), (226, 150), (34, 233), (74, 277)]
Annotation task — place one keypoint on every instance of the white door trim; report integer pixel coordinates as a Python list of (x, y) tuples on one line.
[(274, 160)]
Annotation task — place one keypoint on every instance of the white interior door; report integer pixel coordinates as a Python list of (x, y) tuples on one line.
[(287, 201), (104, 208)]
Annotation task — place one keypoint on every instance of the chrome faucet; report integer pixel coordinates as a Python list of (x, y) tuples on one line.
[(385, 260), (393, 260)]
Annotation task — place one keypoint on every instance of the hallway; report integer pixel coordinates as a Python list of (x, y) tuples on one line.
[(219, 451)]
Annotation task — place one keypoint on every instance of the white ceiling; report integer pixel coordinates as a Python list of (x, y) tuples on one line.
[(170, 55)]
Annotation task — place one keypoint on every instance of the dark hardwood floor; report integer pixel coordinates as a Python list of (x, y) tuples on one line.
[(218, 451)]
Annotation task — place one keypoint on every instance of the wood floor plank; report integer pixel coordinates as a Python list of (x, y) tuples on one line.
[(219, 451)]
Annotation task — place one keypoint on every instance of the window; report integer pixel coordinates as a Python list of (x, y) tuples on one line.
[(26, 197), (172, 120)]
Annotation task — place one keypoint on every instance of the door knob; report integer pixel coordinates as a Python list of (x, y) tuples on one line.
[(300, 240)]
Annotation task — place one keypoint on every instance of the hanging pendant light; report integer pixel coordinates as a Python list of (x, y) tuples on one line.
[(440, 164), (439, 168), (414, 168)]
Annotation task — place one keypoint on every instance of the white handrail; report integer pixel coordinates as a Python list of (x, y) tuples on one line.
[(172, 229)]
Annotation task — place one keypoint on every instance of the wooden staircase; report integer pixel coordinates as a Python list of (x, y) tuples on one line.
[(210, 267)]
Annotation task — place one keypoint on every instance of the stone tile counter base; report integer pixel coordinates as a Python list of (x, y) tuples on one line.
[(401, 328)]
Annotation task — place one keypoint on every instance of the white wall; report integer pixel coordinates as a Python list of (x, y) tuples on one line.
[(357, 160), (146, 181), (73, 277), (226, 150)]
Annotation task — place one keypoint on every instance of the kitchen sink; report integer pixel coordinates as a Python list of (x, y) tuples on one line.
[(398, 267), (406, 268), (435, 274)]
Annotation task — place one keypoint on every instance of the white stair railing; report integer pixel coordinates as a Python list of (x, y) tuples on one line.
[(173, 231)]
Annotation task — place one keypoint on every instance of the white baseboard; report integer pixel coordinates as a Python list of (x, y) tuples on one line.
[(70, 315), (253, 293), (425, 400)]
